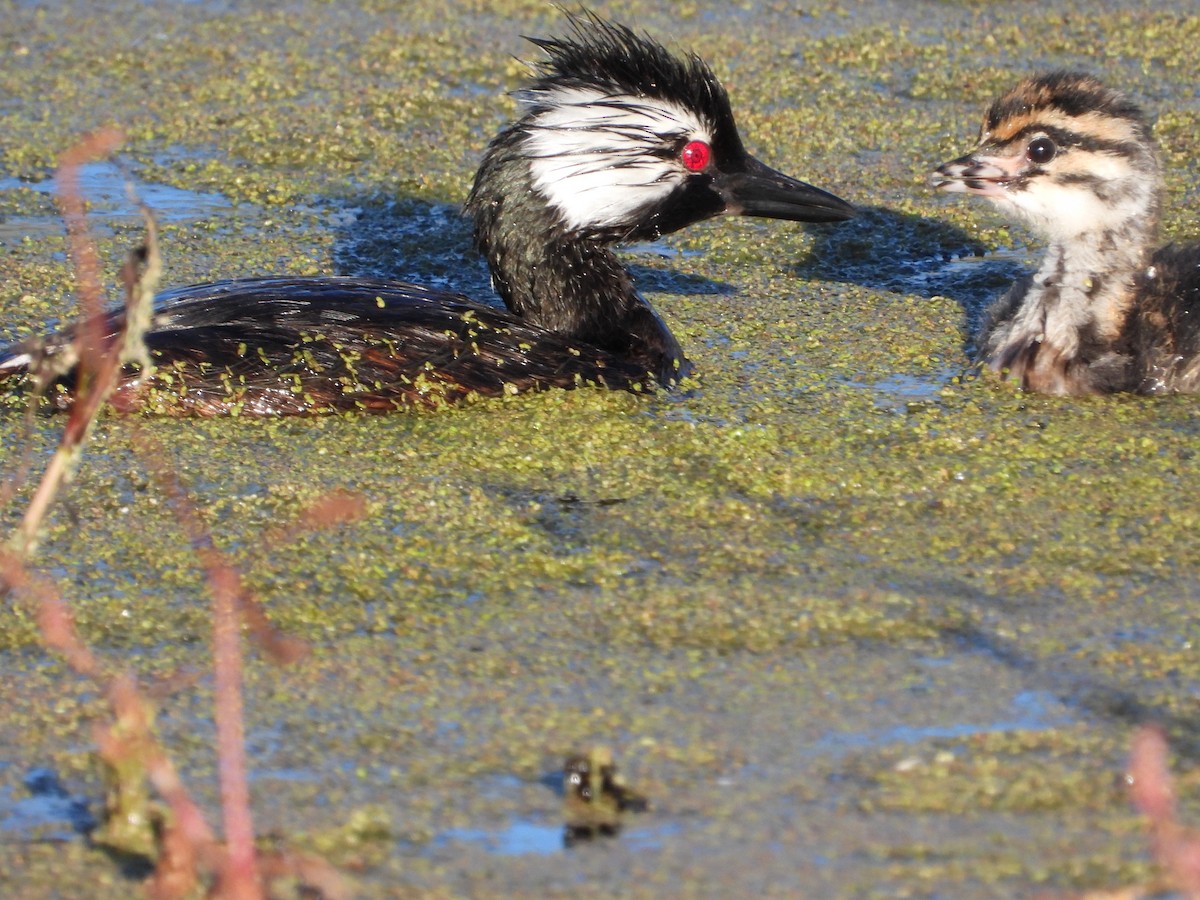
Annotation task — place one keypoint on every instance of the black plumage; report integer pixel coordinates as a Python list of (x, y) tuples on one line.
[(618, 140), (289, 346)]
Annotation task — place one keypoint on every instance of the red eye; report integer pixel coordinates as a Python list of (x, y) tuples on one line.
[(695, 156)]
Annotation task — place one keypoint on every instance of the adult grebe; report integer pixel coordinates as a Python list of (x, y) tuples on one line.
[(1106, 311), (618, 140)]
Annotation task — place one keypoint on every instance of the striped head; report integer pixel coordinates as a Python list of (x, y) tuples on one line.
[(619, 139), (1067, 155)]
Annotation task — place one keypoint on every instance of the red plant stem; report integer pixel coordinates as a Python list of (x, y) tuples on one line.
[(97, 366), (1176, 849), (240, 878), (99, 363), (58, 631), (55, 621), (97, 145)]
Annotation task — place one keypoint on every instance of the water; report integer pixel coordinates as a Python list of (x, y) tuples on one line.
[(112, 193), (528, 838), (902, 393), (1029, 711), (773, 616), (47, 810)]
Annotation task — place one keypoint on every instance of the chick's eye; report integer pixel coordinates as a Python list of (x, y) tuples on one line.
[(695, 156), (1041, 151)]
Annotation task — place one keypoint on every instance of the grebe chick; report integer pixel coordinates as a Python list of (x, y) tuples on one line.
[(618, 140), (1106, 311)]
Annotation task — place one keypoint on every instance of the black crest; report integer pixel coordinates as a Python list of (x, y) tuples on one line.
[(602, 54)]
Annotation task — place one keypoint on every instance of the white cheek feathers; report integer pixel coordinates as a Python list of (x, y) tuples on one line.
[(599, 159), (1055, 211)]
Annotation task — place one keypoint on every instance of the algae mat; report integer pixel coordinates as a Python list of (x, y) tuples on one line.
[(856, 622)]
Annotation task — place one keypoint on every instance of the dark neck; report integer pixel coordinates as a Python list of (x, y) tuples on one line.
[(562, 281)]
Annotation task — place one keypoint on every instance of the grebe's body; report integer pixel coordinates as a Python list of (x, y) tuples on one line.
[(299, 346), (618, 140), (1106, 311)]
